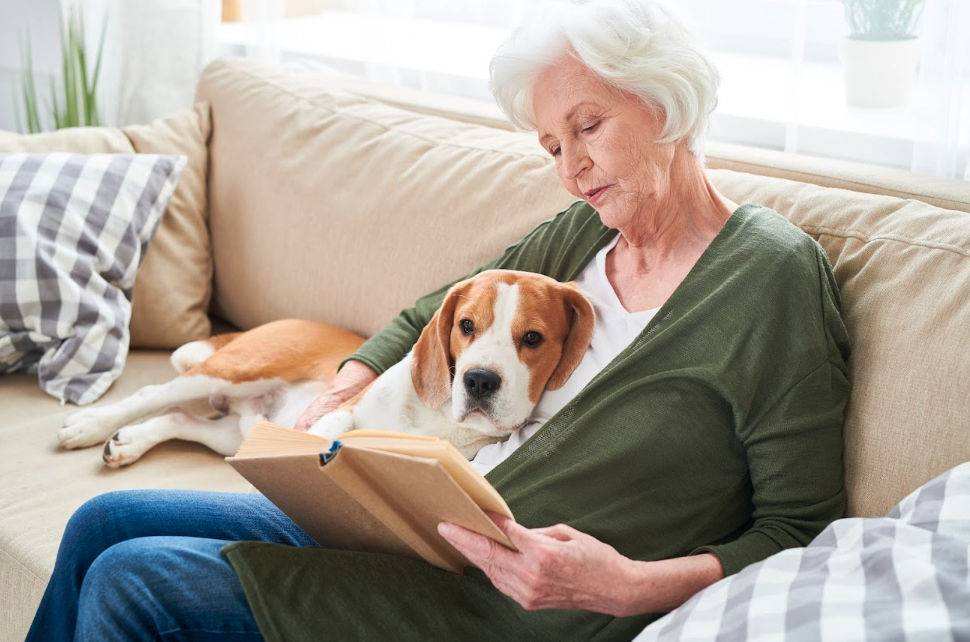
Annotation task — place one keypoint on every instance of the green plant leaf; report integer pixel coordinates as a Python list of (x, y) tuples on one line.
[(32, 113), (96, 116), (882, 19), (74, 103)]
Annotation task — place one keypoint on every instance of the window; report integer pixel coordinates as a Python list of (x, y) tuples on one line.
[(782, 78)]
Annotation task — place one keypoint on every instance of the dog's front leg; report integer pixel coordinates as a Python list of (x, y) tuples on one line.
[(93, 426), (334, 424)]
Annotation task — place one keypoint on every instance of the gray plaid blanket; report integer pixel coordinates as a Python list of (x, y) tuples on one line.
[(902, 577)]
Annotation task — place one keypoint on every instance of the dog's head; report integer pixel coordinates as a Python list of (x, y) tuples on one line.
[(498, 340)]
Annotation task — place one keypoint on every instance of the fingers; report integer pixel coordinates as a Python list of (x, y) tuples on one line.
[(522, 536), (462, 539), (541, 574), (320, 407), (306, 420), (518, 534), (560, 532), (477, 548), (500, 564)]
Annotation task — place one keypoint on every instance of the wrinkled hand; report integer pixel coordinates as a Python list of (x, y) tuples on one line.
[(351, 379), (322, 405), (555, 568)]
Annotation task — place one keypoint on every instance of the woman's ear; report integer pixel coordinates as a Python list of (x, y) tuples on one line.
[(580, 334), (431, 359)]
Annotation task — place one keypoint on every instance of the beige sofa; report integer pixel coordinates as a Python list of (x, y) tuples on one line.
[(322, 197)]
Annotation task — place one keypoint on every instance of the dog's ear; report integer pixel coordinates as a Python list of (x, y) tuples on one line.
[(580, 334), (431, 359)]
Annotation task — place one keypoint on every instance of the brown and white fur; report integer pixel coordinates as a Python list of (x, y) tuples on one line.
[(473, 376)]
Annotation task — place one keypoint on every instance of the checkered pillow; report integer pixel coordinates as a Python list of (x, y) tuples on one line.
[(73, 229), (899, 577)]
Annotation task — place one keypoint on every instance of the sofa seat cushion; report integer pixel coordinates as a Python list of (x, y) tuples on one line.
[(41, 485)]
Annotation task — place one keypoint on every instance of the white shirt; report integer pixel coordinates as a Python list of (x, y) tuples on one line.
[(614, 330)]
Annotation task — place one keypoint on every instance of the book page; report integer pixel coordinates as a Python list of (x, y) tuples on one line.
[(267, 439), (464, 474)]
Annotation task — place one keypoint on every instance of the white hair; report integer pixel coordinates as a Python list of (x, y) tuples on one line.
[(637, 46)]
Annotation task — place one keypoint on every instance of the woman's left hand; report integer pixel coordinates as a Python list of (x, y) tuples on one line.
[(554, 568)]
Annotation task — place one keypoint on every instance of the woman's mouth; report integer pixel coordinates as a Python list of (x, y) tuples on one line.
[(596, 194)]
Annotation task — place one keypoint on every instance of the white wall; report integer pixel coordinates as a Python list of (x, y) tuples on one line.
[(16, 16), (154, 51)]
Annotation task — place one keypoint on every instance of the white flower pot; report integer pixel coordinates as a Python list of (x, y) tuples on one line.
[(879, 73)]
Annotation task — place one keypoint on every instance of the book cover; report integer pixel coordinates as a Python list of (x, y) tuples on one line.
[(372, 491)]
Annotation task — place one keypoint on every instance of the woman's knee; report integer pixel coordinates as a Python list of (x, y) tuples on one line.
[(143, 587), (97, 524), (103, 508)]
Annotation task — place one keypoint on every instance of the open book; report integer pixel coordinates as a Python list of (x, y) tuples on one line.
[(370, 490)]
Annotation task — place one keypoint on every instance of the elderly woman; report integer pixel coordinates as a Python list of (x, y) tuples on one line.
[(702, 431)]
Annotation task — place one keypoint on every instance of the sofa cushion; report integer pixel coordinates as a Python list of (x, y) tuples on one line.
[(903, 267), (73, 230), (343, 209), (41, 485), (174, 284)]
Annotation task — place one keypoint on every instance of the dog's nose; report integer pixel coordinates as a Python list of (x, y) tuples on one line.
[(481, 383)]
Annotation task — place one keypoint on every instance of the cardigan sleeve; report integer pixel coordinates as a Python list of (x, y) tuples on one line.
[(796, 473), (794, 447), (558, 247)]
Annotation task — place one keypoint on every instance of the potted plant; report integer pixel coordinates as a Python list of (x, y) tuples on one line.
[(75, 104), (880, 53)]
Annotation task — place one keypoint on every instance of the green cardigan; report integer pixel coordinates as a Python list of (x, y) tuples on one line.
[(718, 429)]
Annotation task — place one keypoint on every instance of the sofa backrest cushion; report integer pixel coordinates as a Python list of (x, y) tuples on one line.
[(329, 206), (170, 302), (454, 186)]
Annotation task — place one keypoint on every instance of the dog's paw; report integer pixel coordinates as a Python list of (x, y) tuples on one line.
[(85, 428), (123, 448), (333, 425)]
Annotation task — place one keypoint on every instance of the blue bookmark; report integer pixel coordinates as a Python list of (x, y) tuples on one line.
[(330, 454)]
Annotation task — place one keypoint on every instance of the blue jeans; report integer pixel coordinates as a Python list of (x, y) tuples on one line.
[(145, 565)]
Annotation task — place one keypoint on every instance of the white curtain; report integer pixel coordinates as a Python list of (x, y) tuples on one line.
[(781, 77), (153, 55), (943, 135)]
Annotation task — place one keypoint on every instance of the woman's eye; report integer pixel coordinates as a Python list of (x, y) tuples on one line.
[(591, 127), (554, 151), (532, 339), (467, 327)]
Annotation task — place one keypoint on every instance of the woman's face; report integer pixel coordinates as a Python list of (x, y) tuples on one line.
[(603, 141)]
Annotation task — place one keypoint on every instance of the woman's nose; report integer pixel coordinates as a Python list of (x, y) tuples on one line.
[(575, 160)]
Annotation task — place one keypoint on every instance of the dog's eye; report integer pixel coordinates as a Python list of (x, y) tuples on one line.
[(532, 339), (467, 327)]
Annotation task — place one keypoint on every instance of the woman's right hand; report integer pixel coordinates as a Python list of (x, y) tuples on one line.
[(351, 379)]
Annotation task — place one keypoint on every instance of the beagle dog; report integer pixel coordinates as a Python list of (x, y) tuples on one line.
[(477, 370)]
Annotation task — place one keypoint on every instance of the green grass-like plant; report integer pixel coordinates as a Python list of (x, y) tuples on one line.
[(75, 103), (882, 19)]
